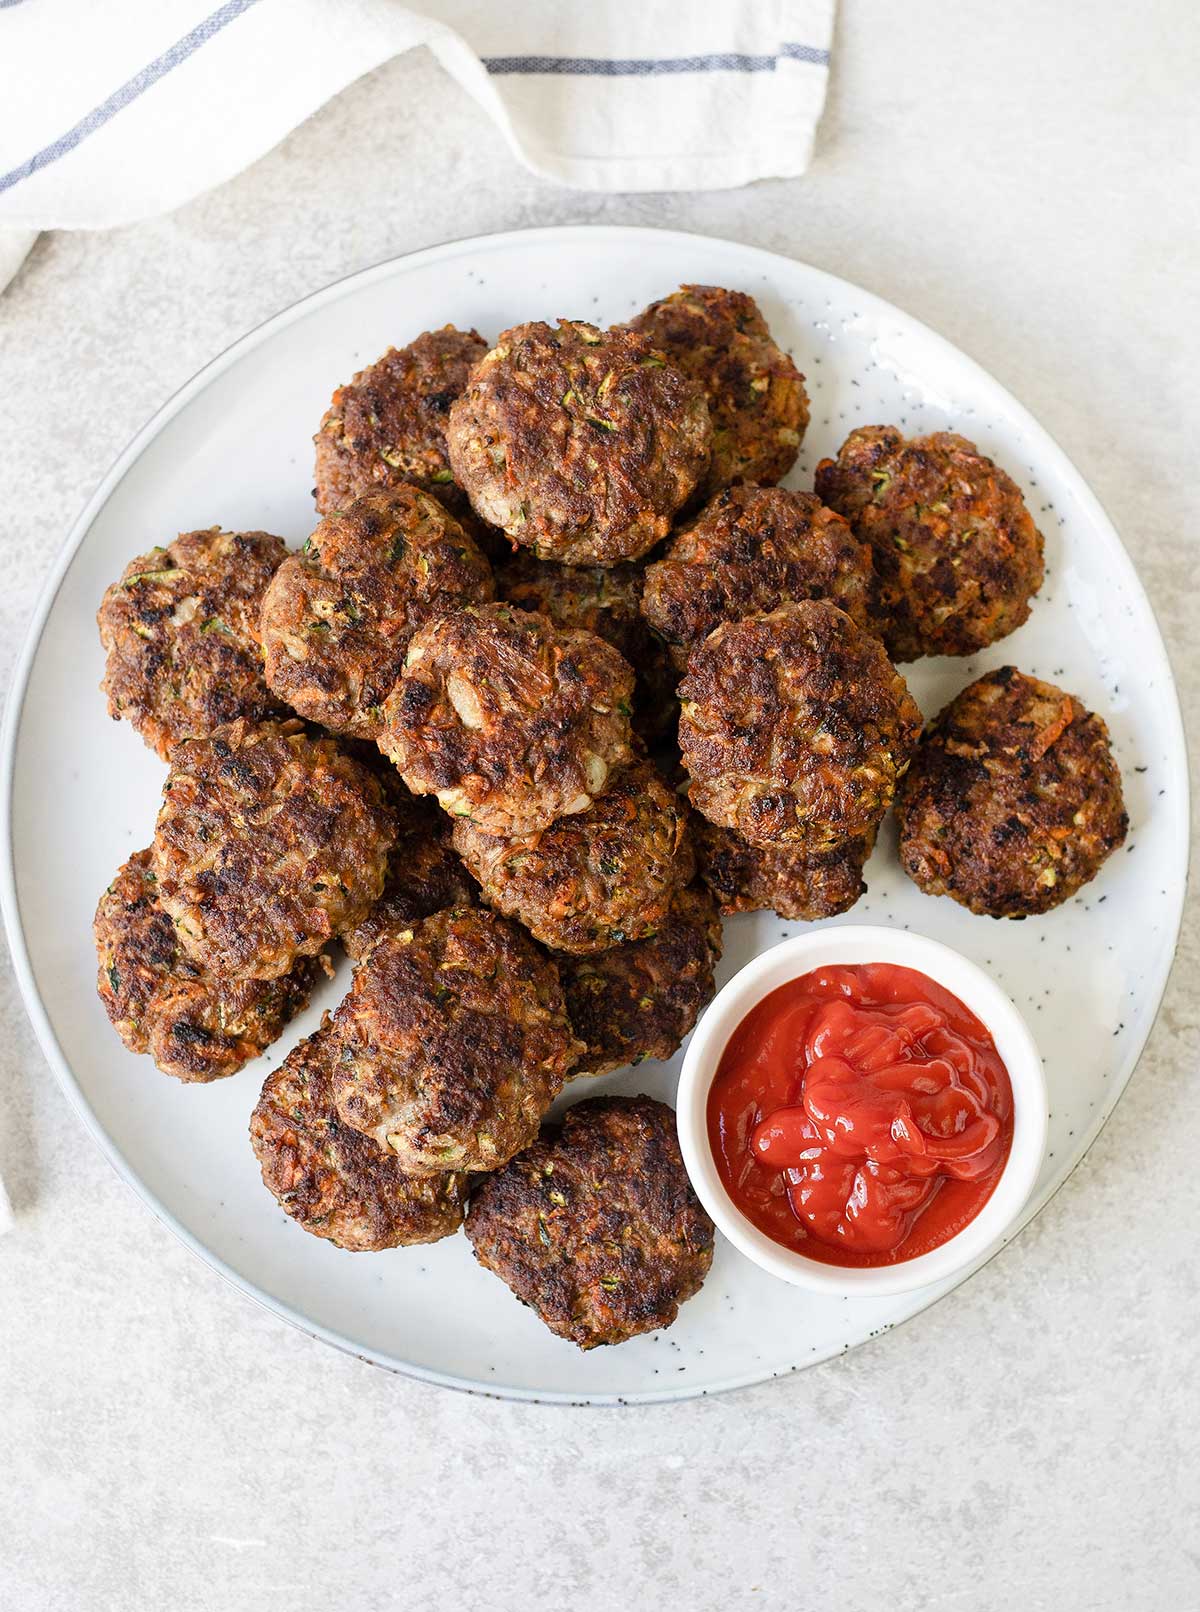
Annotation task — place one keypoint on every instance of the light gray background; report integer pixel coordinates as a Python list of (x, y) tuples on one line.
[(1024, 178)]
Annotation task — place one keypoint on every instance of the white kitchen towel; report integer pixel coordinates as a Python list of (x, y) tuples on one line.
[(112, 112)]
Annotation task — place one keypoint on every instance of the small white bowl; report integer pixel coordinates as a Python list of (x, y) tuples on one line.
[(862, 944)]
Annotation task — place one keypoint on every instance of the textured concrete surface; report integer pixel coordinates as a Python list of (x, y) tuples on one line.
[(1024, 181)]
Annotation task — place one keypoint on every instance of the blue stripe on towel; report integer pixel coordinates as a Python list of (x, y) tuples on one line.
[(128, 92), (646, 66), (805, 53)]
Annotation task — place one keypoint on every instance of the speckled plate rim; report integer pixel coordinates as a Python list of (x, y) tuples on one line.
[(482, 244)]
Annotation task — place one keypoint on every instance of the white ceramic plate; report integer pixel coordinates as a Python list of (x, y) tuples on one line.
[(234, 447)]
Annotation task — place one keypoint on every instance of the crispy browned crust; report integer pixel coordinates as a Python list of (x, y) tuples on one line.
[(454, 1042), (388, 424), (596, 1226), (507, 719), (750, 550), (794, 882), (795, 728), (338, 616), (194, 1026), (755, 394), (639, 1000), (180, 630), (1014, 800), (268, 846), (580, 444), (604, 600), (592, 880), (955, 547), (333, 1181), (425, 873)]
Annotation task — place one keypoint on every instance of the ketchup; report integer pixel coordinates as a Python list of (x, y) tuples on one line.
[(860, 1115)]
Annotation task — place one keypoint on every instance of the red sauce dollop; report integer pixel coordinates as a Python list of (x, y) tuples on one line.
[(860, 1115)]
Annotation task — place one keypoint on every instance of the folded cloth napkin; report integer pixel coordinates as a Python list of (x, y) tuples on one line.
[(111, 113)]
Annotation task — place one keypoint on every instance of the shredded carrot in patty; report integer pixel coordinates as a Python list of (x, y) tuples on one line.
[(1053, 731)]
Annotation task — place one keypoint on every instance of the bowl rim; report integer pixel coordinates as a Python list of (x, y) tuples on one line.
[(849, 944)]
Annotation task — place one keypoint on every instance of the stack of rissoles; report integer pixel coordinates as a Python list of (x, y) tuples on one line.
[(561, 677)]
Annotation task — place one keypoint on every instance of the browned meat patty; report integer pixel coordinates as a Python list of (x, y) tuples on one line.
[(180, 630), (639, 1000), (580, 444), (755, 394), (454, 1042), (387, 426), (1014, 799), (338, 616), (955, 547), (269, 844), (591, 880), (596, 1226), (507, 719), (194, 1025), (791, 880), (750, 550), (605, 600), (795, 728), (334, 1181), (425, 873)]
